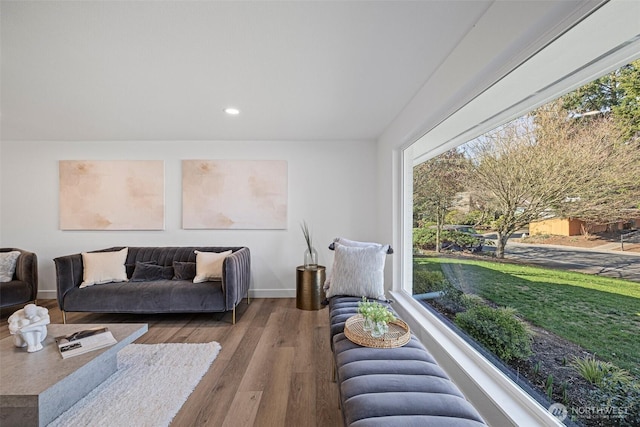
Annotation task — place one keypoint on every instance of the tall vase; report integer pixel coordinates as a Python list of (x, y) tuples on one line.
[(311, 259)]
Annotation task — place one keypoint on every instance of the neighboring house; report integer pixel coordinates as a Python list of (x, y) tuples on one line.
[(575, 227)]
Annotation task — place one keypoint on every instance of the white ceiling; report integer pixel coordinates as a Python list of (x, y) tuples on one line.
[(297, 70)]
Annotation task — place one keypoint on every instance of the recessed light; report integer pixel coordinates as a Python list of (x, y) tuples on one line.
[(232, 111)]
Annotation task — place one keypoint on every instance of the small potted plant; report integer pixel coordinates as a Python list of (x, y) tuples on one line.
[(376, 317)]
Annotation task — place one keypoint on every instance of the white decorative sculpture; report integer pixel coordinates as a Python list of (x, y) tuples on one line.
[(29, 327)]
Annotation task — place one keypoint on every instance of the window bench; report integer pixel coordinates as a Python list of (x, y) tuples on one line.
[(401, 386)]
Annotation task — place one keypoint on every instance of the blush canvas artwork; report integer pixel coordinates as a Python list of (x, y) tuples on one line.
[(234, 194), (111, 195)]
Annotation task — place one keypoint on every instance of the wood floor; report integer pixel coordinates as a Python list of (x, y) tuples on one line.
[(274, 368)]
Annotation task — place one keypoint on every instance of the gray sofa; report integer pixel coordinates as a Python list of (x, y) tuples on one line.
[(401, 386), (169, 295), (24, 286)]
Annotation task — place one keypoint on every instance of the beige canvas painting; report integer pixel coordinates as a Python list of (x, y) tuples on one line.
[(112, 195), (240, 194)]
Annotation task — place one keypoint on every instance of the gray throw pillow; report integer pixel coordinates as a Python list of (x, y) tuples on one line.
[(184, 270), (131, 267), (149, 272)]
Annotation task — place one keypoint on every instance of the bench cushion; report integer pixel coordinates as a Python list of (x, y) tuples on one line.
[(162, 296), (401, 386)]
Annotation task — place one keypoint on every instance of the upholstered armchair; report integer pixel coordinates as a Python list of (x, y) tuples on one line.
[(24, 286)]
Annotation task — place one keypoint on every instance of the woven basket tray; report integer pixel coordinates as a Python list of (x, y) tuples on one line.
[(397, 335)]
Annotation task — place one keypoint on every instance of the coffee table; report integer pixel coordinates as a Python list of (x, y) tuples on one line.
[(37, 387)]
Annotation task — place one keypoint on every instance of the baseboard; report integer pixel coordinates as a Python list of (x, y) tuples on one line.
[(272, 293), (47, 294)]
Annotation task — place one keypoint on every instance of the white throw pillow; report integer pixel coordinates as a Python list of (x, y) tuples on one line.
[(353, 244), (8, 261), (209, 265), (358, 271), (104, 267)]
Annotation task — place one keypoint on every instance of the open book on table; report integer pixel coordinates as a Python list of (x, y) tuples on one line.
[(83, 341)]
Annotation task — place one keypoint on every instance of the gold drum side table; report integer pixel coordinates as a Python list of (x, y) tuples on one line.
[(309, 288)]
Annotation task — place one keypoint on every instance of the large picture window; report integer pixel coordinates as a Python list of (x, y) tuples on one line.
[(548, 169), (489, 217)]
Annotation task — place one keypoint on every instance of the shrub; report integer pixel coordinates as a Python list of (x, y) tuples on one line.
[(452, 299), (471, 301), (425, 238), (595, 371), (457, 240), (623, 396), (498, 330), (427, 281)]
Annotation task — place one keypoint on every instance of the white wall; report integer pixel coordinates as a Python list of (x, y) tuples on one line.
[(332, 185), (1, 204)]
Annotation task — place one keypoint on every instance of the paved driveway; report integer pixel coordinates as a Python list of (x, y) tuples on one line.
[(591, 261)]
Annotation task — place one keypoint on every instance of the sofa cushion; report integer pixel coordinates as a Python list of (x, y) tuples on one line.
[(8, 262), (184, 270), (145, 272), (15, 292), (209, 265), (104, 267), (162, 296)]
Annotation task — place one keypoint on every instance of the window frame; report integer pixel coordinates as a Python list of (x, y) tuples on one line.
[(601, 43)]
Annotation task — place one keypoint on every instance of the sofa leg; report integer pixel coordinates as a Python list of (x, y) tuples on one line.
[(233, 316), (64, 317)]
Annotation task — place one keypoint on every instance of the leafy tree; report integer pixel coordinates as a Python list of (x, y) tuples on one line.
[(616, 94), (627, 112), (435, 184)]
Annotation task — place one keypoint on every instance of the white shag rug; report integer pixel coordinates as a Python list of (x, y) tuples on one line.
[(150, 386)]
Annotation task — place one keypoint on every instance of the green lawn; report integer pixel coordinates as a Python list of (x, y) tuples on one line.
[(598, 313)]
